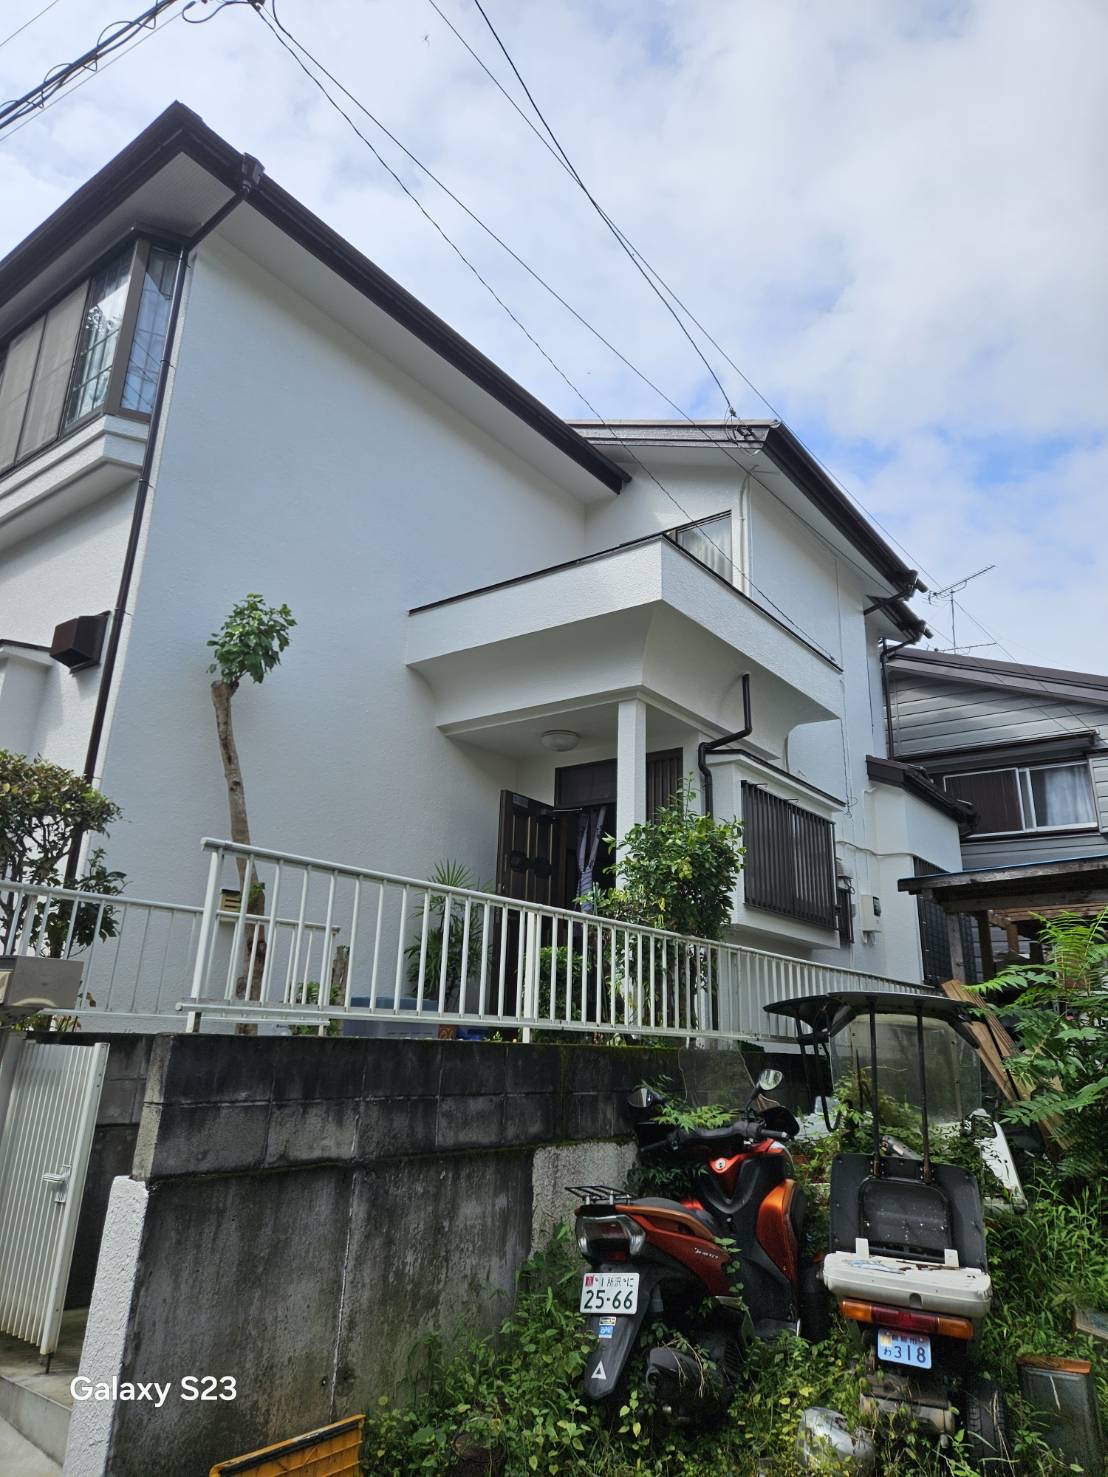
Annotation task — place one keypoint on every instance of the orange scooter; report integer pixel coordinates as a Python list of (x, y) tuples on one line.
[(722, 1267)]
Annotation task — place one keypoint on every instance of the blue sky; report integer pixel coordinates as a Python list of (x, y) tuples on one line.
[(893, 217)]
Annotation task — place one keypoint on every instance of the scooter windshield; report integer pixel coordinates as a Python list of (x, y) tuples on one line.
[(953, 1070)]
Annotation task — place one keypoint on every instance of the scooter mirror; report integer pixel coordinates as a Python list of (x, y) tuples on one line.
[(642, 1099), (769, 1078)]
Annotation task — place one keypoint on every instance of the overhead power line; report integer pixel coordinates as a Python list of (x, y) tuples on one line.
[(30, 22), (698, 427), (555, 148), (112, 41), (293, 45)]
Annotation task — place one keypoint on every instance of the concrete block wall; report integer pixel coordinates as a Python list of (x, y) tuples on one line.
[(302, 1212)]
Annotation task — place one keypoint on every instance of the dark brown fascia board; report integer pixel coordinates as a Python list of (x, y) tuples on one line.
[(176, 131), (181, 131), (908, 777), (297, 222), (980, 669), (1058, 869), (787, 453), (1078, 741)]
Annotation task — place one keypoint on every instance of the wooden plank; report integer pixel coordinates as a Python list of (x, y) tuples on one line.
[(994, 1044)]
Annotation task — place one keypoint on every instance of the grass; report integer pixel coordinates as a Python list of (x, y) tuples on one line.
[(517, 1395)]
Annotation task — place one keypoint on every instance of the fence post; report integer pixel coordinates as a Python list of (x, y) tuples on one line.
[(204, 941)]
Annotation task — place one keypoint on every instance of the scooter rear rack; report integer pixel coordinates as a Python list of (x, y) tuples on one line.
[(599, 1194)]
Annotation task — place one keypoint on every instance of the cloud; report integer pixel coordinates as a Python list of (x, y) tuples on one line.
[(892, 216)]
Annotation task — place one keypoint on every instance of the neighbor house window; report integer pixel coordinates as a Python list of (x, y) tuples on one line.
[(710, 542), (1034, 798), (69, 363)]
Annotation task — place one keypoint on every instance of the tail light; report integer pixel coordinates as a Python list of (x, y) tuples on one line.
[(905, 1320), (609, 1237)]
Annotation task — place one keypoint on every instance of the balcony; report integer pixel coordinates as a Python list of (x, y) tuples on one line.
[(645, 620)]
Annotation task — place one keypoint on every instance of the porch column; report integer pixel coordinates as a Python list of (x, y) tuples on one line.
[(630, 766)]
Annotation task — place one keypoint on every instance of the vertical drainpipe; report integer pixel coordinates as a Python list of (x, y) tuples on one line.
[(718, 746), (250, 177)]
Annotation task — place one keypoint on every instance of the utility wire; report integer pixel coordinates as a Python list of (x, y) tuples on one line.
[(21, 107), (280, 32), (625, 245), (698, 426), (69, 91), (20, 29), (556, 149)]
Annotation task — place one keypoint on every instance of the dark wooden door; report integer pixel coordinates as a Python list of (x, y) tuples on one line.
[(530, 851)]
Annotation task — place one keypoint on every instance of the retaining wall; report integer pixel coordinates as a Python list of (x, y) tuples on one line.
[(302, 1212)]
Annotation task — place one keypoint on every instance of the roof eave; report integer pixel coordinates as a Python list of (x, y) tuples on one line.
[(178, 130)]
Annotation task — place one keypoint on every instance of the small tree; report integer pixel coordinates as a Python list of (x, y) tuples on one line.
[(677, 871), (43, 810), (248, 644)]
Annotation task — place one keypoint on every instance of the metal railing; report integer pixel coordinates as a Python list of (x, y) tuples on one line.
[(317, 944), (137, 954)]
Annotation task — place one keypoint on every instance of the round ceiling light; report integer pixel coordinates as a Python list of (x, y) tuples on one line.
[(560, 740)]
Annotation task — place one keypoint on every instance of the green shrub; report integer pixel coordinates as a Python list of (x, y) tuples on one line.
[(1059, 1017), (677, 871)]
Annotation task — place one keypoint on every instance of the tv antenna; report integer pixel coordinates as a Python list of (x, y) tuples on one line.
[(948, 593)]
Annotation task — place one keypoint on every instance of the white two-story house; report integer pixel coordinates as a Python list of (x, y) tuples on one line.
[(515, 635)]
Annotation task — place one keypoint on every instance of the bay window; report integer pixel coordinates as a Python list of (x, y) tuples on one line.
[(98, 349), (1044, 797)]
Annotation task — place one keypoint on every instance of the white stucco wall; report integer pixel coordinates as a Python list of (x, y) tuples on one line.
[(69, 567), (298, 463)]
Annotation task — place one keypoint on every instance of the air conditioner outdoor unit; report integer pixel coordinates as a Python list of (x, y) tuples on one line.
[(29, 985)]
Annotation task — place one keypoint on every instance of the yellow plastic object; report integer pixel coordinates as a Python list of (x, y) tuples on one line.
[(332, 1451)]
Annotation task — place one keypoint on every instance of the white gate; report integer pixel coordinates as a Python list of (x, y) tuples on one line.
[(49, 1094)]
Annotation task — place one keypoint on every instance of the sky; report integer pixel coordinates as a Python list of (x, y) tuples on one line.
[(891, 214)]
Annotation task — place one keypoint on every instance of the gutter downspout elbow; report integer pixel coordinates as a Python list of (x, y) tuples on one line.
[(716, 746)]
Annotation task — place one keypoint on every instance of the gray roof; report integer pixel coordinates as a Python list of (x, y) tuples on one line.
[(983, 671)]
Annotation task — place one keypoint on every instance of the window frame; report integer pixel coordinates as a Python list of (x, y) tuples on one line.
[(734, 576), (1023, 774), (140, 242)]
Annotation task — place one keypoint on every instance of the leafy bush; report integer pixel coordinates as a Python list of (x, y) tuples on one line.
[(44, 811), (677, 871), (1059, 1016)]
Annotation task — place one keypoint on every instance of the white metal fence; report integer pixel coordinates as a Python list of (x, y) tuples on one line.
[(317, 944), (137, 954)]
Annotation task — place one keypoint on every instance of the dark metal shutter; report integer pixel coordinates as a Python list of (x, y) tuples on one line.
[(790, 859)]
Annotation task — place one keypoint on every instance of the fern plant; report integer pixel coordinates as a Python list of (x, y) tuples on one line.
[(1059, 1016)]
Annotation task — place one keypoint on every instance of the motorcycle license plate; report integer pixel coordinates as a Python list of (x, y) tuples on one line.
[(904, 1348), (609, 1292)]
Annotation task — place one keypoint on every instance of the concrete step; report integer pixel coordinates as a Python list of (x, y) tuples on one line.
[(34, 1403), (20, 1458)]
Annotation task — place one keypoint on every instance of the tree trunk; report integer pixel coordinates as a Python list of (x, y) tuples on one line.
[(222, 693)]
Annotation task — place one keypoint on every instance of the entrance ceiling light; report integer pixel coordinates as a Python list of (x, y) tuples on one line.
[(559, 740)]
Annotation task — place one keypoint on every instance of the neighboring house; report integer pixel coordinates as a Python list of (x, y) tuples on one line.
[(514, 636), (1027, 748)]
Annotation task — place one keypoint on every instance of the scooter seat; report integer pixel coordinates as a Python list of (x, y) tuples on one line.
[(706, 1219)]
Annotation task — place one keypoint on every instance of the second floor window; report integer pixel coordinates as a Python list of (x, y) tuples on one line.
[(1033, 798), (68, 365), (710, 542)]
